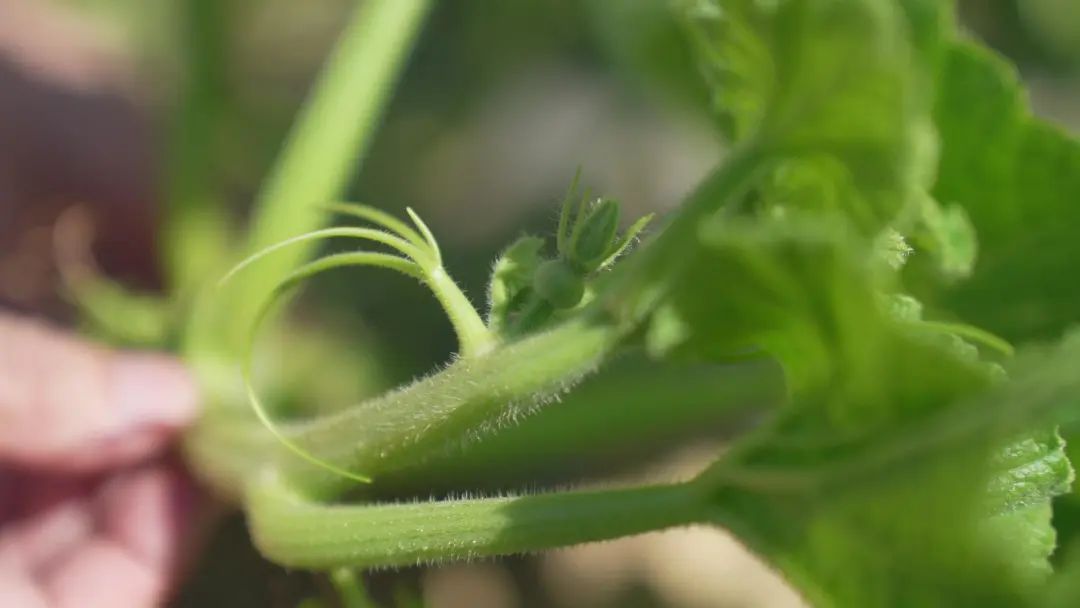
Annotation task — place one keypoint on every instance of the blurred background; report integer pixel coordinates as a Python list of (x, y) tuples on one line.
[(110, 109)]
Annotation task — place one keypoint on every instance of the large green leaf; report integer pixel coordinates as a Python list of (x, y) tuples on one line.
[(897, 474), (884, 481), (1028, 474), (1019, 181), (644, 39), (838, 88)]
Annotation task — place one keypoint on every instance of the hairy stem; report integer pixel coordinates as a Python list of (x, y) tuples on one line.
[(471, 397), (296, 532), (625, 414), (474, 337)]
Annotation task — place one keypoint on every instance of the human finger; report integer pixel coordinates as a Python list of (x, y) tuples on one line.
[(69, 405)]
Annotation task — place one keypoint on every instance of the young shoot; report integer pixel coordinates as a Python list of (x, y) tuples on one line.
[(587, 241), (416, 254)]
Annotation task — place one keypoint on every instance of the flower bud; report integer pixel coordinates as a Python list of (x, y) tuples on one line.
[(559, 284), (594, 236)]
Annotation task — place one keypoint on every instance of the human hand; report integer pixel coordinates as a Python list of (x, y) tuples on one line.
[(92, 513)]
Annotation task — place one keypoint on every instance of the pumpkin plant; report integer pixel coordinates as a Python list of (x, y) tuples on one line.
[(891, 229)]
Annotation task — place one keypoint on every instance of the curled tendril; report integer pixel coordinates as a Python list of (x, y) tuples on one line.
[(379, 218), (416, 255)]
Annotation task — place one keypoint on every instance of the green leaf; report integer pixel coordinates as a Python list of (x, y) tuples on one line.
[(836, 86), (896, 521), (1028, 474), (644, 39), (790, 288), (947, 234), (1064, 588), (1018, 179), (1028, 536), (1031, 471), (882, 481)]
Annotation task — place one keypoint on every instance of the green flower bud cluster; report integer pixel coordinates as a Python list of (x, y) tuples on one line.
[(529, 290), (587, 241)]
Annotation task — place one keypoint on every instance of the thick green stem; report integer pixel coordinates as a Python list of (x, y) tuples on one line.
[(326, 145), (194, 232), (624, 414), (295, 532), (471, 397)]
